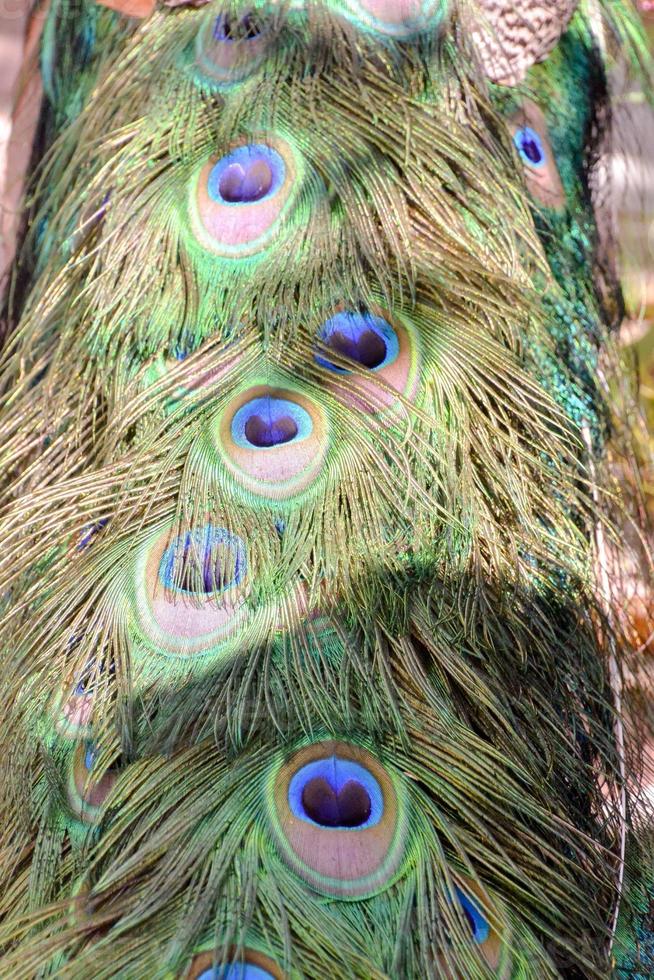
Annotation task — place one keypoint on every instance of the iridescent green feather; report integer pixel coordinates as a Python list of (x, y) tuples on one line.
[(328, 688)]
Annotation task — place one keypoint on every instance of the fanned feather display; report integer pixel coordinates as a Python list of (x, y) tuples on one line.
[(312, 418)]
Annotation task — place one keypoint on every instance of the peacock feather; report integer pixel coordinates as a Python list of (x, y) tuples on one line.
[(311, 414)]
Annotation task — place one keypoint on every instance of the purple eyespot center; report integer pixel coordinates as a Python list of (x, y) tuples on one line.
[(532, 151), (368, 349), (246, 175), (530, 147), (366, 339), (264, 432), (229, 28), (348, 807), (268, 421), (245, 184)]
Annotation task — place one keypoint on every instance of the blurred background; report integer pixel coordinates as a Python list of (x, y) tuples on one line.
[(20, 95), (633, 169)]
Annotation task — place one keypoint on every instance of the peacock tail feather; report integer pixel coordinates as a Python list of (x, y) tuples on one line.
[(310, 418)]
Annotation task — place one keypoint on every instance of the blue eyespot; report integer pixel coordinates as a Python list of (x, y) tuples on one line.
[(530, 147), (229, 48), (236, 971), (479, 925), (90, 756), (267, 421), (362, 337), (246, 175), (89, 532), (203, 561), (336, 793)]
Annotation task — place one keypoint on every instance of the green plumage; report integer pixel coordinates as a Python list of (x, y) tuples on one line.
[(308, 460)]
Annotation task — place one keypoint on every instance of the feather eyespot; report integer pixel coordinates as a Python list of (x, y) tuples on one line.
[(375, 355), (88, 789), (528, 129), (203, 562), (72, 706), (273, 441), (486, 935), (239, 200), (250, 964), (189, 593), (368, 340), (397, 18), (338, 819), (530, 147), (72, 712), (228, 49), (479, 927)]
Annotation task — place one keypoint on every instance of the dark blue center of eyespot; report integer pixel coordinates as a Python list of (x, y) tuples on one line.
[(263, 431), (203, 561), (362, 337), (530, 147), (90, 531), (246, 175), (348, 807), (267, 421), (229, 28), (90, 756), (335, 793), (479, 925), (236, 971)]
